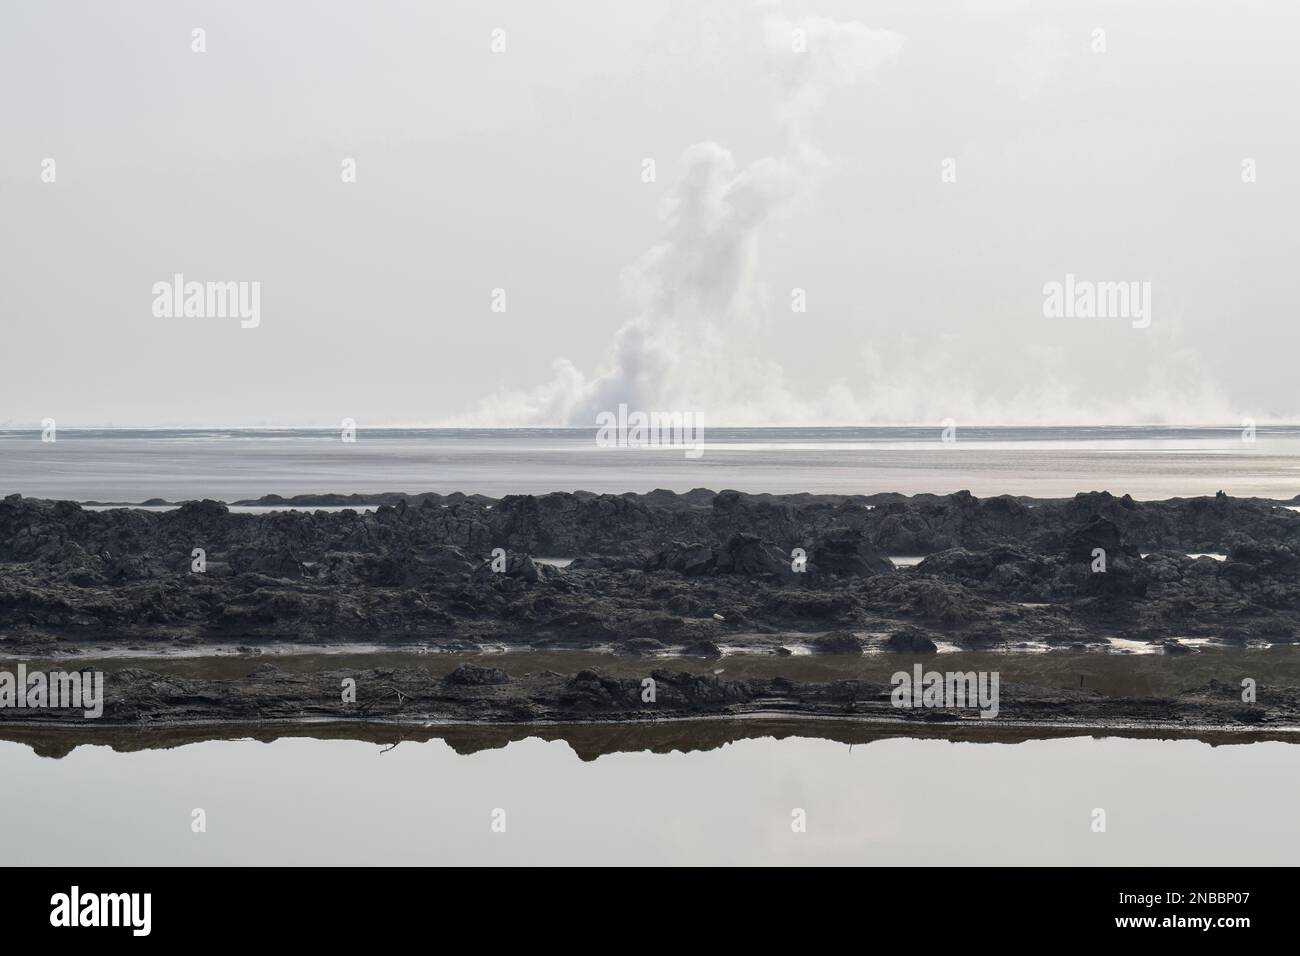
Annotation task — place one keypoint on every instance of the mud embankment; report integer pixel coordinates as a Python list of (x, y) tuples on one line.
[(652, 573), (484, 694)]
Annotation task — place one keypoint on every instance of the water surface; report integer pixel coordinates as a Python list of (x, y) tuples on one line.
[(894, 802), (238, 464)]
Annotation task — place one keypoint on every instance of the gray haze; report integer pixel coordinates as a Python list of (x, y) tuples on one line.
[(522, 170)]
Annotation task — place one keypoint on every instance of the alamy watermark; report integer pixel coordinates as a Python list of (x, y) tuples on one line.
[(1085, 299), (179, 299), (626, 429), (130, 910), (57, 690), (948, 690)]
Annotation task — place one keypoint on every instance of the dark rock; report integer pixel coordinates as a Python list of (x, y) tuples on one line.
[(749, 555), (837, 642), (909, 640), (847, 551), (1100, 532), (472, 675)]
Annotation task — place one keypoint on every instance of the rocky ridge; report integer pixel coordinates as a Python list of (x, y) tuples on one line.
[(693, 572)]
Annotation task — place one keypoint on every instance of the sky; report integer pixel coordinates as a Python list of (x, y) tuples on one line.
[(798, 213)]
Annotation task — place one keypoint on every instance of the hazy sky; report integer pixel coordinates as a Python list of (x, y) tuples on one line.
[(776, 169)]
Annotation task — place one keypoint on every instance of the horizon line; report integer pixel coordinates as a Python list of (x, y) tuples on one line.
[(6, 427)]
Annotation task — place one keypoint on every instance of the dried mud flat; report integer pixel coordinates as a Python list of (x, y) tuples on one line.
[(696, 574), (482, 694)]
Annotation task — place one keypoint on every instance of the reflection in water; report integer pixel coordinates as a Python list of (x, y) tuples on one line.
[(711, 791), (588, 741), (671, 792)]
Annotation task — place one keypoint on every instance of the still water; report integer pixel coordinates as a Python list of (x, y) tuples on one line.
[(614, 795), (231, 465)]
